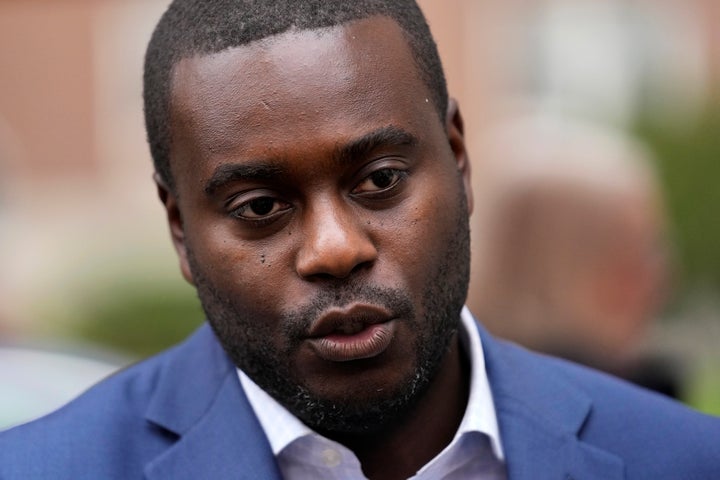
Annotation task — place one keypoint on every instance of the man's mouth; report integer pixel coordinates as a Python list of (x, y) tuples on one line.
[(353, 333)]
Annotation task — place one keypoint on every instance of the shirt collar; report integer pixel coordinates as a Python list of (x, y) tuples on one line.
[(282, 427), (480, 415)]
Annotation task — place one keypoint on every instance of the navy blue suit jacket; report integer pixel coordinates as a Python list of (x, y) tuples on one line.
[(184, 415)]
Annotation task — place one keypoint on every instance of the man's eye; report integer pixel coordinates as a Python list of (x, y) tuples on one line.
[(260, 208), (379, 180)]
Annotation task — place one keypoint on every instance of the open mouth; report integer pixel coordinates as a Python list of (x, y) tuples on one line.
[(358, 332)]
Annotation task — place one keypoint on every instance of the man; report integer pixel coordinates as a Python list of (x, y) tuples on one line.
[(571, 259), (317, 191)]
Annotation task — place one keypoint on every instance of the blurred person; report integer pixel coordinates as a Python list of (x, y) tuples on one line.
[(571, 245), (317, 188)]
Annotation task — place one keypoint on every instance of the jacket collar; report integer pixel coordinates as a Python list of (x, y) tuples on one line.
[(198, 397), (541, 415)]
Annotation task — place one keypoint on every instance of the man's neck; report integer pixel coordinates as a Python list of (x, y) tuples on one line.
[(400, 451)]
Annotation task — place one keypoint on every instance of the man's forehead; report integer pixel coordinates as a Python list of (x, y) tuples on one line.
[(370, 42), (304, 80)]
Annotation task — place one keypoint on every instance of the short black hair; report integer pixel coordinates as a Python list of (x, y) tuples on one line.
[(201, 27)]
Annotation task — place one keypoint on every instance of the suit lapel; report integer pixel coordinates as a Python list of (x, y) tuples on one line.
[(537, 451), (198, 398), (541, 415)]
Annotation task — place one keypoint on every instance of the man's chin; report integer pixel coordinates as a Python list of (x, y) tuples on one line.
[(364, 411)]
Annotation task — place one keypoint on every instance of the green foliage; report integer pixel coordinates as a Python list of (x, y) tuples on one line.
[(690, 170), (704, 394), (140, 321)]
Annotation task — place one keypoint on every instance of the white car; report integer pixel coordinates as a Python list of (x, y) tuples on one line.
[(34, 382)]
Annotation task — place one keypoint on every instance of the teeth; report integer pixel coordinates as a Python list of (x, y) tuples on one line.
[(350, 328)]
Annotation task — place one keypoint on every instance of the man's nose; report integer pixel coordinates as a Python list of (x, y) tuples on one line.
[(335, 242)]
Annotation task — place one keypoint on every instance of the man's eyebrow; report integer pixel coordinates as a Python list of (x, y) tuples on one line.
[(265, 170), (384, 136), (232, 172)]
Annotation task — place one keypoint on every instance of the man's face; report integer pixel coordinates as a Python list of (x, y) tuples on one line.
[(321, 210)]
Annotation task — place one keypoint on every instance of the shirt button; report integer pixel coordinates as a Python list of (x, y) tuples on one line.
[(331, 457)]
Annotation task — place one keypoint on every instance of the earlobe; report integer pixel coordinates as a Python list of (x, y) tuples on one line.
[(174, 218), (456, 136)]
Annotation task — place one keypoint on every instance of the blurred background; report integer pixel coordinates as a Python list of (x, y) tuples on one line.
[(87, 266)]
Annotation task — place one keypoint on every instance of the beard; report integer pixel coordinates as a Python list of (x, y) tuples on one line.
[(244, 336)]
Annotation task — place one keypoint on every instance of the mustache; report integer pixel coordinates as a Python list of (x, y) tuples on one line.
[(296, 323)]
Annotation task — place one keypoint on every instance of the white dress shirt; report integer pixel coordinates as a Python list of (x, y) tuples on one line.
[(474, 453)]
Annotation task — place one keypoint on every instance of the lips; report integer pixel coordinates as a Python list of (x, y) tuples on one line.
[(354, 333)]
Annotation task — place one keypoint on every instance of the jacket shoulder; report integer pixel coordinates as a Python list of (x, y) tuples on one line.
[(103, 431), (655, 436)]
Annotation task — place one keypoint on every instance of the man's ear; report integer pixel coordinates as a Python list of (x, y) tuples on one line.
[(456, 136), (177, 233)]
